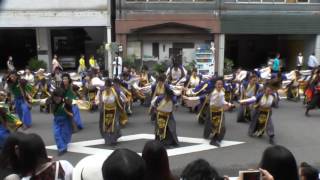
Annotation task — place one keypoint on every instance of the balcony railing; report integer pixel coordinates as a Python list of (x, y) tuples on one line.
[(155, 1), (275, 1), (228, 1)]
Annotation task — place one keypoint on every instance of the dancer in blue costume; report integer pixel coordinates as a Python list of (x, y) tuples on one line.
[(8, 122), (22, 98), (63, 120), (70, 94)]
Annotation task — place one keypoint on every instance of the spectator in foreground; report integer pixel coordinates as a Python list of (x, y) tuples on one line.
[(157, 164), (280, 163), (35, 163), (307, 172), (200, 170), (123, 164), (9, 165)]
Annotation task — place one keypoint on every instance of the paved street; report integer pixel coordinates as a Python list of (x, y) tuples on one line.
[(293, 130)]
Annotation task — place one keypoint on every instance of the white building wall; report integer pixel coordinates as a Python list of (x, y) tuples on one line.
[(317, 46), (44, 46), (164, 46), (188, 55), (147, 50), (54, 13), (308, 49), (164, 50)]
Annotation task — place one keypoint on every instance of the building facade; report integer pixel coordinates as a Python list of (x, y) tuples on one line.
[(37, 28), (258, 29), (165, 30), (248, 32)]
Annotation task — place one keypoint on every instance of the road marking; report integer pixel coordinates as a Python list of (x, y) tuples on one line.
[(199, 145)]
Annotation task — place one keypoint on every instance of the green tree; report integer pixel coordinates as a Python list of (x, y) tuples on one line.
[(34, 64)]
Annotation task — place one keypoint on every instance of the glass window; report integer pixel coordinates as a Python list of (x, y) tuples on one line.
[(182, 0), (170, 0)]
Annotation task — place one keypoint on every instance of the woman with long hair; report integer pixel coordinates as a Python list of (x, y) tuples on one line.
[(155, 156), (280, 163), (10, 166), (35, 163)]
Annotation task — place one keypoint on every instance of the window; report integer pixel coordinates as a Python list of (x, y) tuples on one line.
[(155, 50), (170, 0), (262, 1)]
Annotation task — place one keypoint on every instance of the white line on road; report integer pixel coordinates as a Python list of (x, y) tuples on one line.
[(198, 145)]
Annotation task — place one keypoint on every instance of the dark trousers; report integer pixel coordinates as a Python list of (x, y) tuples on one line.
[(315, 101)]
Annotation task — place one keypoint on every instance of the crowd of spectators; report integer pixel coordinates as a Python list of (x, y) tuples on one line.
[(24, 157)]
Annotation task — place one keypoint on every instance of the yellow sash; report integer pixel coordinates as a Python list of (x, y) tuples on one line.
[(216, 119), (262, 121), (117, 98), (162, 122), (91, 96), (144, 79), (109, 116)]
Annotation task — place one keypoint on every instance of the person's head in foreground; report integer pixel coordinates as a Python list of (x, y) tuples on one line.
[(123, 164), (32, 154), (157, 164), (307, 172), (280, 163), (200, 170)]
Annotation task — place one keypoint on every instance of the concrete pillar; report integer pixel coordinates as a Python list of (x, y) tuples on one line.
[(110, 58), (219, 44), (44, 46), (317, 46), (122, 39)]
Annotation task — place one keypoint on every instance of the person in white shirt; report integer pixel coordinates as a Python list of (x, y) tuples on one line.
[(299, 61), (165, 125), (261, 116), (10, 64), (117, 66), (213, 105), (55, 64), (313, 61), (29, 77)]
